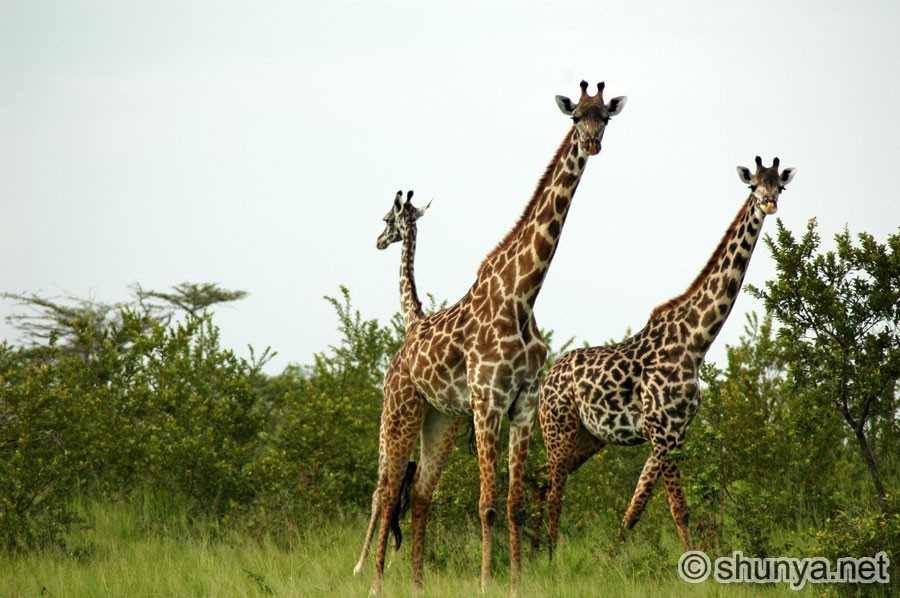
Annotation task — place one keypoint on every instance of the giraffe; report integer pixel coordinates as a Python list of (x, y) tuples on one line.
[(645, 388), (481, 358), (400, 224)]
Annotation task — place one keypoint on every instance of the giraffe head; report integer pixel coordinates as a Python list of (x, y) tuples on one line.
[(590, 116), (398, 219), (766, 184)]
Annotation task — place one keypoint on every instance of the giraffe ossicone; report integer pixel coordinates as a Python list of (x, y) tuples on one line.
[(481, 358), (646, 388)]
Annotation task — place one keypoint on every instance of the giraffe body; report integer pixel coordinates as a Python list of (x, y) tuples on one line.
[(481, 358), (646, 388)]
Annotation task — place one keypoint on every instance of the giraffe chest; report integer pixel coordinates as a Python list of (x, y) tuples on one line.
[(452, 370)]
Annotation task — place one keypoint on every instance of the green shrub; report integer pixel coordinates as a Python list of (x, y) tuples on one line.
[(861, 533)]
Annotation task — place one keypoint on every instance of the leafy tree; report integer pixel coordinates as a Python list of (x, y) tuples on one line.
[(114, 401), (760, 449), (76, 325), (840, 315), (192, 298)]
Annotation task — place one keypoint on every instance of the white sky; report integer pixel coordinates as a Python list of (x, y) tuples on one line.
[(258, 144)]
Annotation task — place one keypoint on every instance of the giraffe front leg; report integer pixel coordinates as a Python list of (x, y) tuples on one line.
[(677, 503), (651, 399), (487, 437), (649, 475), (521, 427)]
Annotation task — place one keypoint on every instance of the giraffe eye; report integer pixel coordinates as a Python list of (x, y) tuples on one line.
[(575, 119), (753, 187), (781, 189)]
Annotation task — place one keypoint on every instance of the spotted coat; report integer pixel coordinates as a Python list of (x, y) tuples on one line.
[(646, 388)]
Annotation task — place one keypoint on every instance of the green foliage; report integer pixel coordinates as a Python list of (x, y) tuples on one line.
[(191, 408), (119, 404), (860, 533), (37, 473), (114, 555), (758, 448), (138, 402), (840, 316), (320, 449)]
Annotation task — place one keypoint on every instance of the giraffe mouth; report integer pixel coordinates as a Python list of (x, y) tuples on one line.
[(769, 208)]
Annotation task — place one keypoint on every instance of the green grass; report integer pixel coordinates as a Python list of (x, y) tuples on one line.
[(116, 553)]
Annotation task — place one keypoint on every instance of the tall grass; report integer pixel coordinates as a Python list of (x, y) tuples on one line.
[(124, 550)]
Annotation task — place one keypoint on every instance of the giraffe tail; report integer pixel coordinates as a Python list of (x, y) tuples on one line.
[(402, 505)]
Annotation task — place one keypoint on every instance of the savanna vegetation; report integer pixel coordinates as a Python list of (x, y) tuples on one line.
[(140, 456)]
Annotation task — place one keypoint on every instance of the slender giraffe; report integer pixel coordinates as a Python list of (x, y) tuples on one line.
[(482, 357), (646, 387), (400, 225)]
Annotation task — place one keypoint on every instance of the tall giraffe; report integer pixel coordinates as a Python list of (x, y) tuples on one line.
[(482, 356), (646, 387), (400, 225)]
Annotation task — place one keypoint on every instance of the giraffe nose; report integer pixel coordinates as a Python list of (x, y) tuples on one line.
[(592, 146)]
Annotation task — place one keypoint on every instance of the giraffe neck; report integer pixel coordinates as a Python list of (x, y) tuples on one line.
[(410, 305), (700, 312), (517, 266)]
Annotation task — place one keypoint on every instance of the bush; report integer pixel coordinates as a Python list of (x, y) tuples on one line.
[(142, 407), (38, 473), (861, 533)]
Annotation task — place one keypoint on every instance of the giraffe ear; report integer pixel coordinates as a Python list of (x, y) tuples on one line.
[(421, 211), (787, 175), (565, 105), (744, 173), (616, 104)]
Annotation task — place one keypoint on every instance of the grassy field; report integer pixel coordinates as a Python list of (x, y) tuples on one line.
[(115, 554)]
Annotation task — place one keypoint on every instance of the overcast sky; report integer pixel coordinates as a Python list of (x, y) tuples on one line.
[(258, 144)]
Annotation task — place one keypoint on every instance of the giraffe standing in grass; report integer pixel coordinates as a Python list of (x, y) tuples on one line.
[(646, 389), (481, 358), (400, 225)]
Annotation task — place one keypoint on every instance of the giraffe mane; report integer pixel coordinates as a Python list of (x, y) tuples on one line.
[(542, 184), (707, 269)]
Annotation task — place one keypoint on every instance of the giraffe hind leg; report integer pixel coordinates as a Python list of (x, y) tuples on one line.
[(566, 452), (401, 422), (437, 440), (370, 532), (402, 505)]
